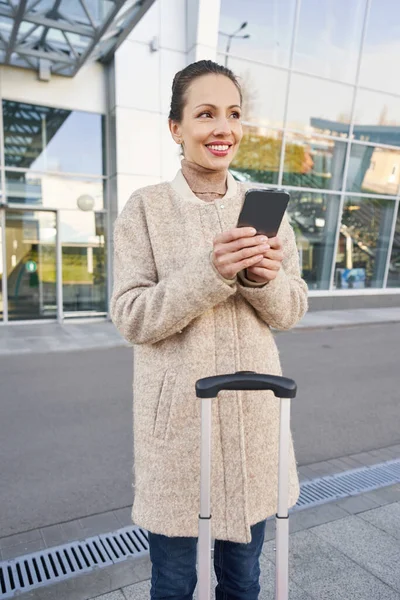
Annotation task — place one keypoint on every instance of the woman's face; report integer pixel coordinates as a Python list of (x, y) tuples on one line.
[(210, 130)]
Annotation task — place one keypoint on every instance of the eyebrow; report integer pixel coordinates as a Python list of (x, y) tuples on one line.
[(215, 107)]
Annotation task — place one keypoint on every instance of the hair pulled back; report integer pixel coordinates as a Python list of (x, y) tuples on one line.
[(184, 78)]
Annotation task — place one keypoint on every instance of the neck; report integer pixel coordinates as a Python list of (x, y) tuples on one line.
[(205, 183)]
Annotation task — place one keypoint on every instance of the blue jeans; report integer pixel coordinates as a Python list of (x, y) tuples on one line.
[(237, 567)]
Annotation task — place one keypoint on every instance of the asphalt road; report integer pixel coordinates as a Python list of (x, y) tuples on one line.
[(65, 418)]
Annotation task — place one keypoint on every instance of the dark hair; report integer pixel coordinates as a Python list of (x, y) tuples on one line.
[(184, 78)]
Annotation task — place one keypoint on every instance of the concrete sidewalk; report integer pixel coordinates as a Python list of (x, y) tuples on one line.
[(39, 338), (334, 555), (341, 550)]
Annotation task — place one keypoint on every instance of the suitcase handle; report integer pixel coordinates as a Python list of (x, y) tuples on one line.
[(282, 387)]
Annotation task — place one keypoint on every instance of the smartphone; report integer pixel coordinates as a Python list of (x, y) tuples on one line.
[(263, 209)]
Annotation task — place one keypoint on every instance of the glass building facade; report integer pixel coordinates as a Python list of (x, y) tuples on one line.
[(52, 213), (321, 114)]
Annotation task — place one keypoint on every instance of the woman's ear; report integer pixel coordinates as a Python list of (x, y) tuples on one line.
[(175, 129)]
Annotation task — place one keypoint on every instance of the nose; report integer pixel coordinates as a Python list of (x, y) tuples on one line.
[(222, 126)]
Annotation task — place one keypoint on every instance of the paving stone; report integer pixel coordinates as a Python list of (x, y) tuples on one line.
[(129, 571), (323, 468), (13, 551), (365, 458), (53, 535), (369, 547), (72, 530), (97, 524), (354, 584), (382, 455), (123, 516), (138, 591), (339, 464), (386, 495), (311, 517), (21, 538), (307, 472), (351, 462), (357, 504), (386, 518), (117, 595)]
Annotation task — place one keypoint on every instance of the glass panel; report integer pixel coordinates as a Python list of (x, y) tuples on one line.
[(328, 38), (314, 218), (52, 139), (98, 10), (31, 265), (382, 43), (377, 118), (394, 266), (54, 191), (263, 90), (269, 25), (373, 170), (313, 162), (319, 105), (363, 242), (84, 261), (1, 270), (258, 156)]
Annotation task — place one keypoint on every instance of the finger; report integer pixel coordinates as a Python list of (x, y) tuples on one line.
[(274, 255), (257, 242), (272, 265), (275, 243), (262, 274), (222, 258), (234, 234)]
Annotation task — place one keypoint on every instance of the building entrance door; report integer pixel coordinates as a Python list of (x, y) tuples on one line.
[(31, 264)]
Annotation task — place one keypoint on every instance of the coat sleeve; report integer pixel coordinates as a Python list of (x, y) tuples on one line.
[(282, 302), (145, 309)]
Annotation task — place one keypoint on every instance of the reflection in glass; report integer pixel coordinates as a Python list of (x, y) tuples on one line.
[(314, 218), (328, 38), (44, 138), (31, 265), (313, 162), (269, 25), (52, 191), (83, 261), (382, 44), (393, 279), (1, 273), (318, 105), (363, 242), (373, 170), (377, 118), (258, 156), (263, 90)]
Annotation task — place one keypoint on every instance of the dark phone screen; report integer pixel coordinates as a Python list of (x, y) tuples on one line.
[(263, 210)]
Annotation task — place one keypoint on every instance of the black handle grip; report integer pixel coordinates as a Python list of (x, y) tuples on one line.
[(209, 387)]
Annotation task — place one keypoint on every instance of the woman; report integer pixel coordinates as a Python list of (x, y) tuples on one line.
[(197, 296)]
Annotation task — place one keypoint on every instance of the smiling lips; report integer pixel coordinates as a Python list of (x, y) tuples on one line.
[(219, 149)]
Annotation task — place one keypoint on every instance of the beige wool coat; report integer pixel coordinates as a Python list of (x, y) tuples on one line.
[(187, 322)]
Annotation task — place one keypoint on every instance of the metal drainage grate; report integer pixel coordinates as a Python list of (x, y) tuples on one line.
[(349, 483), (62, 562)]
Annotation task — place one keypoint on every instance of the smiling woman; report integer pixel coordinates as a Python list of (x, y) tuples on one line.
[(198, 297)]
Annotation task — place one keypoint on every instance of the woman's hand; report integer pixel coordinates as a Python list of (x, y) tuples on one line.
[(267, 269), (238, 249)]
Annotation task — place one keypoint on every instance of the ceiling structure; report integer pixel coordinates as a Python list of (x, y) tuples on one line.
[(59, 36)]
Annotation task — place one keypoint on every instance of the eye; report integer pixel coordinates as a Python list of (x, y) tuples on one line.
[(235, 115), (205, 113)]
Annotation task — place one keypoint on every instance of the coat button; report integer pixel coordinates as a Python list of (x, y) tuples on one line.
[(222, 206)]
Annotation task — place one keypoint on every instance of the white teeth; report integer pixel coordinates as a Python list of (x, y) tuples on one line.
[(219, 148)]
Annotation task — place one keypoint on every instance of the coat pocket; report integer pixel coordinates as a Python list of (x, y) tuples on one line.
[(164, 405)]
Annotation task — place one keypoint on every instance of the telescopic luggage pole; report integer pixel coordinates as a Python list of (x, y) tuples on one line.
[(207, 389)]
